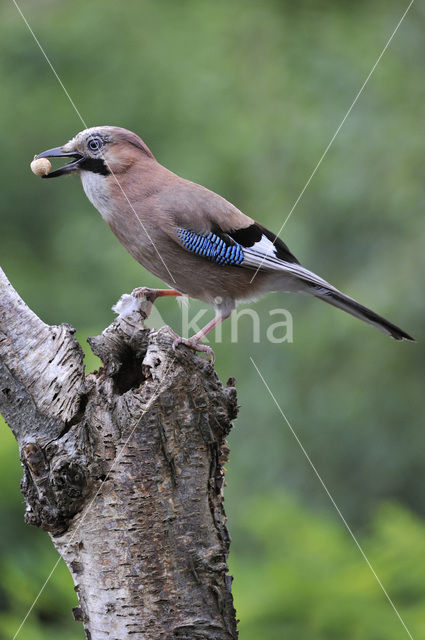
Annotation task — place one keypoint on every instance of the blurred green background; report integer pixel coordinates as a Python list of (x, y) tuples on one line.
[(243, 97)]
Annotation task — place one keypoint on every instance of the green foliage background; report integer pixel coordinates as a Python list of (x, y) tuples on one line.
[(244, 97)]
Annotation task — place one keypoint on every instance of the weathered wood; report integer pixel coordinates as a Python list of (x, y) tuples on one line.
[(124, 469)]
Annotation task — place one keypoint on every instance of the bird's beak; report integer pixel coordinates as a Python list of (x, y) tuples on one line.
[(58, 153)]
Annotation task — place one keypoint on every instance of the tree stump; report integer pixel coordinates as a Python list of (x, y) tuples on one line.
[(124, 469)]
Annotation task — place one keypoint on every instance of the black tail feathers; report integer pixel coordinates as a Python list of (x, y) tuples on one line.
[(340, 300)]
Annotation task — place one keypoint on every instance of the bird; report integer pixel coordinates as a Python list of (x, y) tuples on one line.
[(191, 238)]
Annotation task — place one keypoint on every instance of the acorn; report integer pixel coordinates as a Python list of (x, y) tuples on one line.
[(41, 167)]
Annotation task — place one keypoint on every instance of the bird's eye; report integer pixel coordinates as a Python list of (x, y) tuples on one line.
[(94, 144)]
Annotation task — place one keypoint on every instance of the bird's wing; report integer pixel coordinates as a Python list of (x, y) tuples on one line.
[(206, 224), (253, 247)]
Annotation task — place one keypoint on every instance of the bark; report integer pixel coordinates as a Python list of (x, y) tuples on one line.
[(124, 469)]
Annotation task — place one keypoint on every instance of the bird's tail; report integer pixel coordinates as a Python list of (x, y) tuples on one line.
[(340, 300)]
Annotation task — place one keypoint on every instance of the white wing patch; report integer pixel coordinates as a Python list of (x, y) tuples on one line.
[(262, 255), (264, 247)]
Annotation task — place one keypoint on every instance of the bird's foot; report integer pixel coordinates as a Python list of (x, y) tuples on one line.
[(146, 298), (194, 344), (150, 295), (145, 292)]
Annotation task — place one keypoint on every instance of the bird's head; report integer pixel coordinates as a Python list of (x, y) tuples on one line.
[(102, 150)]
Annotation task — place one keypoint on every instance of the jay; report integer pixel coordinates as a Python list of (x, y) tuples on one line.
[(191, 238)]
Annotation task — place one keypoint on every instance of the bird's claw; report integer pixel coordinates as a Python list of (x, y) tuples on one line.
[(150, 295), (146, 298), (145, 292), (194, 345)]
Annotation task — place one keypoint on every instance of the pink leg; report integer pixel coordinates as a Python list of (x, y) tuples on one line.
[(193, 342)]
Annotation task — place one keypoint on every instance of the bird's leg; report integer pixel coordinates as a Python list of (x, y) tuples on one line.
[(193, 342), (153, 294), (150, 295)]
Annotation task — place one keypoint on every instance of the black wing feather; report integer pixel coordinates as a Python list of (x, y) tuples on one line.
[(250, 235)]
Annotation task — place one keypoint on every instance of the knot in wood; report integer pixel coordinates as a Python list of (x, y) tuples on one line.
[(70, 478)]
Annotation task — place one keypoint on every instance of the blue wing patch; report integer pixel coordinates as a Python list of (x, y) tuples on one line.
[(212, 247)]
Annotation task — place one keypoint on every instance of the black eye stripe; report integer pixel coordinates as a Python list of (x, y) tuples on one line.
[(95, 165)]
